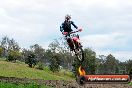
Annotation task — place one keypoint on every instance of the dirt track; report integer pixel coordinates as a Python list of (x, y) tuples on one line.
[(61, 84)]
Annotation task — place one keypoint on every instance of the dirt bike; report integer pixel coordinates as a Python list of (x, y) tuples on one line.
[(75, 44)]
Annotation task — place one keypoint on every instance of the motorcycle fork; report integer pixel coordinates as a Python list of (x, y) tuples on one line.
[(76, 46), (71, 43)]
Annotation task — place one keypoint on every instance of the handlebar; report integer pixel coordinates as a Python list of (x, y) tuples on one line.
[(66, 33)]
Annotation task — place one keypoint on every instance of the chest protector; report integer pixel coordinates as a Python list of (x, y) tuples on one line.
[(67, 26)]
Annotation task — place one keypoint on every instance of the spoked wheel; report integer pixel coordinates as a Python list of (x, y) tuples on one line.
[(79, 54)]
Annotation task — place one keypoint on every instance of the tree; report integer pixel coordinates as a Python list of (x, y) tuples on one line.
[(25, 54), (67, 59), (54, 46), (13, 55), (100, 64), (5, 45), (128, 65), (111, 65), (60, 46), (39, 52), (122, 68), (1, 51), (54, 55), (89, 63), (29, 57), (31, 60), (9, 47), (55, 62), (13, 45), (48, 54)]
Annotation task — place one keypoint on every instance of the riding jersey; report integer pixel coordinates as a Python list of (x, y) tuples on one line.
[(66, 26)]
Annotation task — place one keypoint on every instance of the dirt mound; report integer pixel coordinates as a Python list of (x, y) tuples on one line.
[(60, 83)]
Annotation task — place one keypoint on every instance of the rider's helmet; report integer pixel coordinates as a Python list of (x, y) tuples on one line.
[(67, 17)]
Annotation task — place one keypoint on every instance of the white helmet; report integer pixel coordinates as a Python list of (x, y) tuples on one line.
[(68, 17)]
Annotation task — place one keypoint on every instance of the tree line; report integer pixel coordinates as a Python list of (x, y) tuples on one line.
[(58, 56)]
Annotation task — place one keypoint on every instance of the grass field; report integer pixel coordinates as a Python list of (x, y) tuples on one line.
[(21, 70), (32, 85), (130, 83)]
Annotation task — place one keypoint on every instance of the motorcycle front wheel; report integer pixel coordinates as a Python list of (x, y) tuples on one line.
[(79, 54)]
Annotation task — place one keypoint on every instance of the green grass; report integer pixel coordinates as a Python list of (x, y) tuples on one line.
[(130, 83), (21, 70), (32, 85)]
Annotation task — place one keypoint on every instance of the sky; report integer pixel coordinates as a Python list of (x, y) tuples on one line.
[(106, 24)]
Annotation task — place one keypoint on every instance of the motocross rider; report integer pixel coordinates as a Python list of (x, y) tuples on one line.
[(66, 28)]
